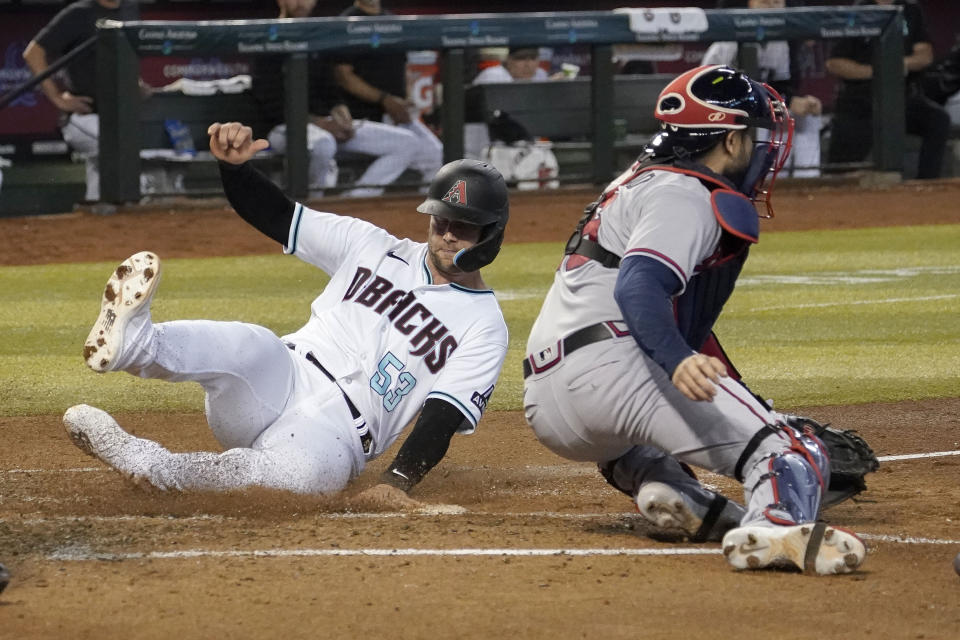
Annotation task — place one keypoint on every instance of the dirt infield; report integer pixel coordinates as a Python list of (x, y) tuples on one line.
[(94, 557)]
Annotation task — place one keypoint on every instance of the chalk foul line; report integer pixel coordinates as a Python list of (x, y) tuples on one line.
[(558, 470), (81, 554), (914, 456)]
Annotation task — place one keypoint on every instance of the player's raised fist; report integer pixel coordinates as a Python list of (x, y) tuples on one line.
[(233, 142)]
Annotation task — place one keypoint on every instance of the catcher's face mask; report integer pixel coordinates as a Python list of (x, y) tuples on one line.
[(771, 149)]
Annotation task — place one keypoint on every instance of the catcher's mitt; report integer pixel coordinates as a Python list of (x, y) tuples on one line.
[(851, 458)]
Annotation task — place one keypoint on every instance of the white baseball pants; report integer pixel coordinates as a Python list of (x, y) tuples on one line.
[(285, 424), (394, 148)]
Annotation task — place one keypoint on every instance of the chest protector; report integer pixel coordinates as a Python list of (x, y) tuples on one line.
[(713, 280)]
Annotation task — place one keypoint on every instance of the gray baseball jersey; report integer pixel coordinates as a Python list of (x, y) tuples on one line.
[(666, 216), (608, 396)]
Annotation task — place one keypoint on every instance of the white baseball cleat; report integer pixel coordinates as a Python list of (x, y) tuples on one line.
[(813, 547), (668, 508), (97, 434), (126, 297)]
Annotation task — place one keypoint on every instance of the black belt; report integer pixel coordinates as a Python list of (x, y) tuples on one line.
[(581, 245), (365, 438), (577, 339)]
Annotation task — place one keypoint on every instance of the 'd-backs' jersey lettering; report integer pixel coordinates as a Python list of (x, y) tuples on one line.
[(430, 336)]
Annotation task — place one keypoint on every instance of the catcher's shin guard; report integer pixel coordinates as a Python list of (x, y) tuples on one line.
[(786, 486)]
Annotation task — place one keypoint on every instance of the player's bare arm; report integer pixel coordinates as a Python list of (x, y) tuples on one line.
[(349, 81), (849, 69), (233, 142), (36, 58), (919, 59)]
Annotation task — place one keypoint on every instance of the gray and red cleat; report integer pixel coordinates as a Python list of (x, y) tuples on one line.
[(704, 521)]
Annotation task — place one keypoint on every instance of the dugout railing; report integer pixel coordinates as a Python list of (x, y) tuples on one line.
[(119, 45)]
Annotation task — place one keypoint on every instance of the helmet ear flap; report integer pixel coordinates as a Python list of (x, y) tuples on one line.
[(482, 253)]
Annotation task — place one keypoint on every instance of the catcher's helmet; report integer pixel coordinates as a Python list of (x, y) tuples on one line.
[(473, 192), (698, 108)]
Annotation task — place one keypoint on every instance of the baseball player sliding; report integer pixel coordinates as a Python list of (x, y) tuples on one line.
[(619, 369), (401, 327)]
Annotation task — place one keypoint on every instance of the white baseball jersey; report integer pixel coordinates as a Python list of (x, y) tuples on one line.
[(663, 215), (773, 58), (389, 335), (498, 74)]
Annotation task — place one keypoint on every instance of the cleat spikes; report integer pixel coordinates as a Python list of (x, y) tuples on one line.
[(126, 298), (765, 545)]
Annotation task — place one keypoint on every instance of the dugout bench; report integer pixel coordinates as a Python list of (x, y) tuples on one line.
[(194, 173), (197, 173)]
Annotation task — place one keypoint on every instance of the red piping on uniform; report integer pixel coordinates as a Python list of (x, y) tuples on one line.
[(686, 172), (703, 176), (797, 447), (662, 257), (619, 333), (735, 397)]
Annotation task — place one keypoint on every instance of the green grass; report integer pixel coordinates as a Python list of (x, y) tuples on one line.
[(837, 317)]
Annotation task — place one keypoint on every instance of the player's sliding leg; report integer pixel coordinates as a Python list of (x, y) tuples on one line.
[(323, 468), (245, 369), (669, 496)]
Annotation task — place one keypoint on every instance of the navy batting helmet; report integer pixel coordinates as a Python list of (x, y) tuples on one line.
[(473, 192), (698, 108)]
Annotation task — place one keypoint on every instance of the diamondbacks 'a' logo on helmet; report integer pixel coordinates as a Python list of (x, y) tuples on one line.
[(457, 193)]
